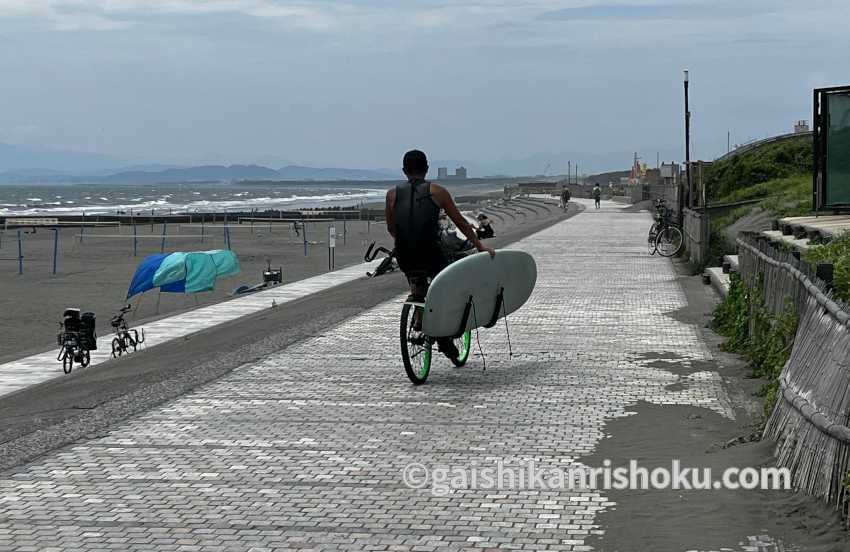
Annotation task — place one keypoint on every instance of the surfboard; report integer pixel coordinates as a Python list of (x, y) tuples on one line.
[(478, 289)]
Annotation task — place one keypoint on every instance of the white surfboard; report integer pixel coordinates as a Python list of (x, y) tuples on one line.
[(480, 288)]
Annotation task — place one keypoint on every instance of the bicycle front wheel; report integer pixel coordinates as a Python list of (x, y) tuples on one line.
[(463, 345), (669, 241), (415, 346), (116, 347), (653, 236), (67, 362)]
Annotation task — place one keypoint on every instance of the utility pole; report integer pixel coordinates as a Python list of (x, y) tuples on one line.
[(688, 144), (569, 171), (728, 139)]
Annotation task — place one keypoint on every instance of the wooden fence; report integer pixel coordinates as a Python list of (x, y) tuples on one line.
[(810, 420)]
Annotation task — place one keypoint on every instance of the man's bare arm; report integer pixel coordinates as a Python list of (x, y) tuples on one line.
[(444, 199), (389, 213)]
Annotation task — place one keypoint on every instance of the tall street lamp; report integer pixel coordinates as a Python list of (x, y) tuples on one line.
[(688, 145)]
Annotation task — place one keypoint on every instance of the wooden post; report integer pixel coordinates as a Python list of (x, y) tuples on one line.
[(55, 248), (135, 240), (20, 253)]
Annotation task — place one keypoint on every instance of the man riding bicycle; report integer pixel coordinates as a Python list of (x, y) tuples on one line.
[(412, 211)]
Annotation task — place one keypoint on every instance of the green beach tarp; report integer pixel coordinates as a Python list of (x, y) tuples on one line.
[(195, 271)]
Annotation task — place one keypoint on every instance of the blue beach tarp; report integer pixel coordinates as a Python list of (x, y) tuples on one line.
[(143, 278), (182, 272)]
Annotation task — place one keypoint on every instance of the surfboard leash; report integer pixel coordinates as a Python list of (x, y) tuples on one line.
[(507, 329), (477, 338)]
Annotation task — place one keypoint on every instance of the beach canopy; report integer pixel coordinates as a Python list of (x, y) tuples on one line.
[(183, 272)]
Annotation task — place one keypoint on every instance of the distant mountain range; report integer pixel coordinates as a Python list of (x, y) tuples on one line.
[(204, 173), (32, 165)]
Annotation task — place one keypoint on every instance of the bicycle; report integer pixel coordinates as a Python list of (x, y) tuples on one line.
[(665, 237), (76, 338), (417, 348), (123, 340), (388, 264), (71, 350)]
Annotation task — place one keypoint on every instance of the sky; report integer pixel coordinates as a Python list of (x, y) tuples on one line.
[(356, 83)]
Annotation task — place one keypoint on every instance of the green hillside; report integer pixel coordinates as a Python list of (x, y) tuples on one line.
[(773, 169)]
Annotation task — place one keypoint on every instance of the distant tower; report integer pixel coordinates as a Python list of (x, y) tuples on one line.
[(460, 172), (801, 126), (442, 173)]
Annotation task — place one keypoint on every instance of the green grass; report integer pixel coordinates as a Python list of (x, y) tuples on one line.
[(778, 174), (774, 188), (763, 338), (791, 157), (836, 252)]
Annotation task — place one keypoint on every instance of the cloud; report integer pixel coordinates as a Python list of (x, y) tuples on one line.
[(99, 15), (681, 10)]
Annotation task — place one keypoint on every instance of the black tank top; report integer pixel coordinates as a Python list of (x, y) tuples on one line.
[(417, 228)]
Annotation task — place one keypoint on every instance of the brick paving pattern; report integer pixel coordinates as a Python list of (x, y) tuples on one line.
[(305, 449)]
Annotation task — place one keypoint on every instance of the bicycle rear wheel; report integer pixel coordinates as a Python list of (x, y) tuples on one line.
[(415, 346), (463, 345), (67, 362), (669, 241)]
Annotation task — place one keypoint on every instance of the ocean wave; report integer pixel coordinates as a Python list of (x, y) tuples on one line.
[(270, 199)]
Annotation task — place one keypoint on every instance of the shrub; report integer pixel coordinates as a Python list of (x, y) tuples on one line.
[(836, 252), (763, 338)]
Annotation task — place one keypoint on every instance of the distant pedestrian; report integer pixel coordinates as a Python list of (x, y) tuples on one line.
[(597, 194), (565, 198)]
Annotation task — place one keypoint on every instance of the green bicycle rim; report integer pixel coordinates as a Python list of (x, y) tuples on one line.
[(425, 363), (464, 349)]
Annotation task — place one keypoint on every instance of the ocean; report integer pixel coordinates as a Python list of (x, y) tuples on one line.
[(70, 199)]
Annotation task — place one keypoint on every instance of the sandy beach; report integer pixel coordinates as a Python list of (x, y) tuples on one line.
[(93, 273)]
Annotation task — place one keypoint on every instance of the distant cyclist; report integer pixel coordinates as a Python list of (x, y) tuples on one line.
[(412, 212)]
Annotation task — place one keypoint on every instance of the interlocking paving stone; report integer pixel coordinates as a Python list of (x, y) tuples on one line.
[(304, 450)]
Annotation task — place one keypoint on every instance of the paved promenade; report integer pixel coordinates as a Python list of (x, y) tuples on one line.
[(35, 369), (305, 450)]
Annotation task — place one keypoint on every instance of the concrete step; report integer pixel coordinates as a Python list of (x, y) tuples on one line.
[(730, 263), (718, 279)]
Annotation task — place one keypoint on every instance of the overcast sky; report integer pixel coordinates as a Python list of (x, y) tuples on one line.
[(355, 83)]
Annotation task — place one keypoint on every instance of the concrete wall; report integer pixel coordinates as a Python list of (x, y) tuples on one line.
[(695, 227), (645, 192)]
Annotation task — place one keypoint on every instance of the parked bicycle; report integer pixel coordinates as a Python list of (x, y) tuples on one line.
[(388, 264), (665, 237), (124, 339), (76, 339)]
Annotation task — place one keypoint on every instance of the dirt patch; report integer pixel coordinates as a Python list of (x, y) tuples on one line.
[(677, 520)]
